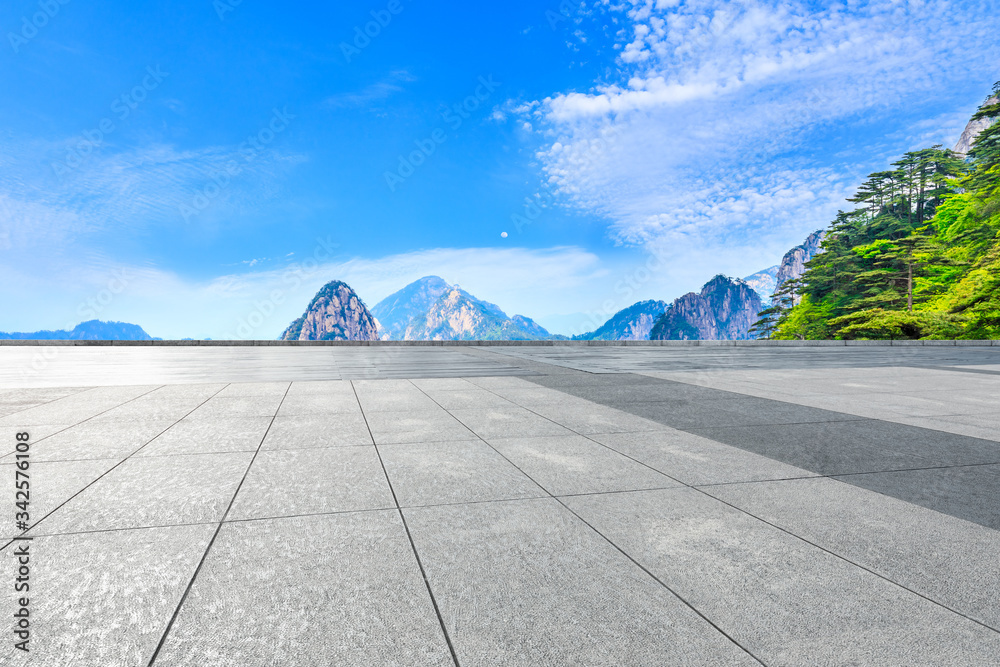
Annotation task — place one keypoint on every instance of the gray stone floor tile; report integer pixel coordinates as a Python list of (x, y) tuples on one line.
[(318, 404), (786, 601), (574, 464), (694, 460), (534, 396), (647, 392), (686, 414), (153, 491), (209, 436), (304, 432), (443, 384), (150, 410), (374, 387), (435, 425), (508, 423), (243, 389), (77, 407), (592, 418), (825, 448), (468, 399), (453, 472), (941, 557), (237, 406), (494, 383), (199, 392), (581, 379), (966, 492), (321, 388), (285, 483), (316, 591), (50, 485), (951, 426), (390, 400), (527, 583), (104, 598), (96, 440), (37, 433)]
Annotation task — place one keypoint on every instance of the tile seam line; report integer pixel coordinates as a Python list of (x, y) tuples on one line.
[(363, 510), (406, 529), (788, 532), (615, 546), (834, 476), (99, 477), (84, 420), (215, 534), (54, 400), (848, 560)]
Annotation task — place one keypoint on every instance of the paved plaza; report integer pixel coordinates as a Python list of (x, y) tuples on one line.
[(505, 505)]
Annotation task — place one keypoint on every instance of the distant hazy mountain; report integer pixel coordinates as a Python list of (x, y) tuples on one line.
[(395, 312), (91, 330), (431, 309), (632, 323), (725, 309), (764, 282), (335, 313)]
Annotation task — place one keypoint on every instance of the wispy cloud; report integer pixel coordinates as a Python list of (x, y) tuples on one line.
[(376, 92), (131, 189), (719, 126)]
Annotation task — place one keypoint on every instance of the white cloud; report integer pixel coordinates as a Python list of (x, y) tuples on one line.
[(720, 127)]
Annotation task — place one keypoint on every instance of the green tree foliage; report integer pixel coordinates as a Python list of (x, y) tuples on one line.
[(919, 256)]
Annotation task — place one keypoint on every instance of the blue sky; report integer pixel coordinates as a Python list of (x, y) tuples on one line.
[(201, 168)]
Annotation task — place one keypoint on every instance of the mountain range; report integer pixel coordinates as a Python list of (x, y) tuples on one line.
[(432, 309), (91, 330)]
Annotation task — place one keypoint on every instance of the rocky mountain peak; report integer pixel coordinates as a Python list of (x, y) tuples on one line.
[(335, 313), (725, 309), (793, 264)]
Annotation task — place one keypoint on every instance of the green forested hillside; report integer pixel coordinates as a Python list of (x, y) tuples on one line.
[(919, 256)]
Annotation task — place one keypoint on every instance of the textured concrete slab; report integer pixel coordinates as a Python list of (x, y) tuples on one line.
[(562, 504), (786, 601), (93, 440), (967, 492), (319, 403), (55, 482), (432, 425), (153, 491), (300, 432), (342, 589), (215, 436), (312, 481), (888, 536), (565, 465), (438, 473), (105, 598), (516, 422), (825, 448), (694, 460), (578, 600)]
